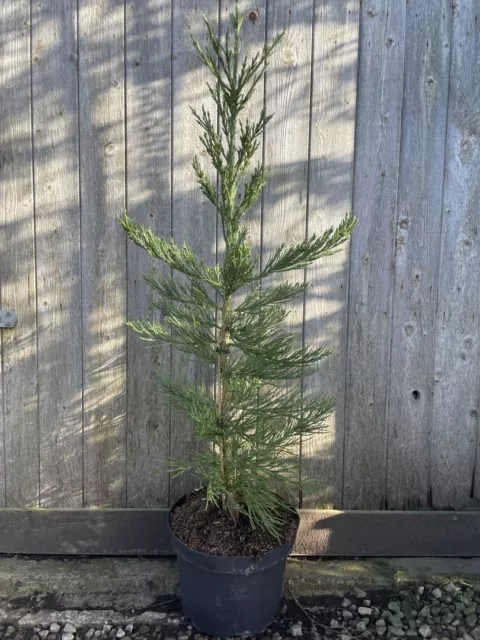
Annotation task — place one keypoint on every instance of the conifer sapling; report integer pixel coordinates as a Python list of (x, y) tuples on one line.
[(228, 316)]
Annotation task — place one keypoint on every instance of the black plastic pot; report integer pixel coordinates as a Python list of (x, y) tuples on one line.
[(229, 595)]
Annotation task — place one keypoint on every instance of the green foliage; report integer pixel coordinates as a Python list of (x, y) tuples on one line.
[(254, 421)]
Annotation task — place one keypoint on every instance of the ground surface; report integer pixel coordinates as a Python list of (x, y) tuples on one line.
[(428, 599)]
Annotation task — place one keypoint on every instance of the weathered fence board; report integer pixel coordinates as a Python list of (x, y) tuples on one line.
[(457, 341), (194, 219), (102, 180), (332, 123), (418, 217), (57, 219), (149, 160), (253, 39), (19, 461), (380, 87), (286, 140), (98, 120)]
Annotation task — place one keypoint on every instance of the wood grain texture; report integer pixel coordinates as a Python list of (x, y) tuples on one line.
[(194, 219), (102, 172), (253, 39), (419, 213), (456, 404), (380, 86), (287, 95), (17, 262), (57, 214), (412, 323), (149, 136), (335, 47)]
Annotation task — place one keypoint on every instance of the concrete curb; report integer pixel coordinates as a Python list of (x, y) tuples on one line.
[(130, 585)]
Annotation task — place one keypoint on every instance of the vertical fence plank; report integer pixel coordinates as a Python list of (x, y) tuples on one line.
[(102, 180), (424, 115), (17, 262), (253, 40), (55, 126), (287, 138), (454, 474), (380, 87), (148, 44), (334, 82), (194, 220)]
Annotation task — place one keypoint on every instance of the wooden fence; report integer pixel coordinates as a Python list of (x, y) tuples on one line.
[(377, 108)]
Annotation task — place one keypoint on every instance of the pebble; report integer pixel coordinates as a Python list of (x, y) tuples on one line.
[(393, 606), (425, 631), (68, 636), (450, 588), (425, 612), (55, 628), (361, 626), (43, 634), (296, 630), (398, 633), (347, 615), (346, 603), (359, 593), (120, 632), (394, 621), (69, 628), (144, 629), (471, 620), (437, 593), (364, 611), (89, 635)]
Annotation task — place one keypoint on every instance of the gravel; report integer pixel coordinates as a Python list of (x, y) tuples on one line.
[(427, 612)]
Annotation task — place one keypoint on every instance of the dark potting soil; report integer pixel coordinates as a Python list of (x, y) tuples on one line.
[(211, 530)]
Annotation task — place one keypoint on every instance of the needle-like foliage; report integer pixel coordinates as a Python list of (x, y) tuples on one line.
[(254, 420)]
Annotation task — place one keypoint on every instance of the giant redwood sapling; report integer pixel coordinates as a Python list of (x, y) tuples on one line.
[(254, 419)]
